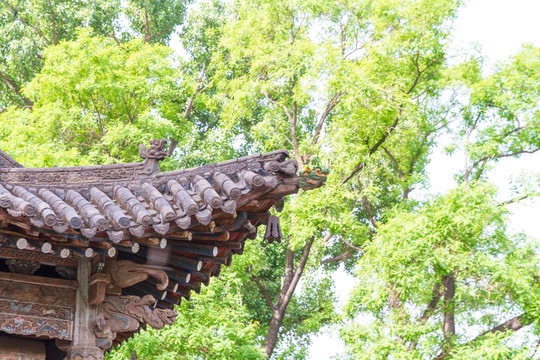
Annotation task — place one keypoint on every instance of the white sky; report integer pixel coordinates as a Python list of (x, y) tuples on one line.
[(500, 27)]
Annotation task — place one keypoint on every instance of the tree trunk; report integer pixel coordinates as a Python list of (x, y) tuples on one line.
[(449, 326), (273, 330), (285, 295)]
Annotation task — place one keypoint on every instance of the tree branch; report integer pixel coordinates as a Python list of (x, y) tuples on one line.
[(536, 349), (147, 36), (500, 156), (414, 159), (369, 209), (189, 106), (351, 245), (292, 120), (374, 148), (300, 268), (195, 92), (98, 113), (435, 296), (473, 127), (519, 198), (294, 136), (15, 12), (345, 255), (289, 117), (419, 72), (264, 292), (514, 324), (12, 85), (331, 104), (393, 300), (289, 285), (113, 35), (396, 164), (53, 18), (289, 267)]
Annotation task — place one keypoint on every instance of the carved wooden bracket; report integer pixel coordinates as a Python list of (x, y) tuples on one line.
[(98, 286), (121, 274), (126, 314)]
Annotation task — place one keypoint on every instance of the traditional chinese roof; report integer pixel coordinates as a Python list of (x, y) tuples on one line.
[(187, 222)]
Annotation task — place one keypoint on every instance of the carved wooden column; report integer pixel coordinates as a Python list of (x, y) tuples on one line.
[(84, 339)]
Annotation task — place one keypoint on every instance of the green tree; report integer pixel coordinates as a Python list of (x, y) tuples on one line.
[(348, 84), (95, 101), (362, 87), (28, 27), (446, 279), (153, 21), (212, 325)]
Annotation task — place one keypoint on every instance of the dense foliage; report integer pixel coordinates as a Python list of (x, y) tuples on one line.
[(364, 87)]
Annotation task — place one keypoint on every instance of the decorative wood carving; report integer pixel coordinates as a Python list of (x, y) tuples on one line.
[(79, 177), (313, 178), (126, 314), (30, 306), (35, 319), (12, 253), (85, 353), (125, 273), (121, 274), (22, 266)]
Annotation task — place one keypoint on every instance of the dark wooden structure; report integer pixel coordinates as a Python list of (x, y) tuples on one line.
[(92, 253)]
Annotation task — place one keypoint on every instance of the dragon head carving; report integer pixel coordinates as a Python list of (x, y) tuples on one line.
[(125, 273)]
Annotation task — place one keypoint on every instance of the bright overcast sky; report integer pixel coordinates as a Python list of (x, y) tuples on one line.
[(500, 27)]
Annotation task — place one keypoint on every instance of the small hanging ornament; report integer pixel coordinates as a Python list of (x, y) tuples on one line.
[(273, 230)]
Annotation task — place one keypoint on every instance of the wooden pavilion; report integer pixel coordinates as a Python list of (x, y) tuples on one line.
[(90, 254)]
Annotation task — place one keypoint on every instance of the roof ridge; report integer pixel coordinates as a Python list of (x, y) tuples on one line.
[(7, 161), (126, 173)]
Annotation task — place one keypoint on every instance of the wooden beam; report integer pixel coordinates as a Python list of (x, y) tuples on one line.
[(52, 259), (38, 280), (288, 187)]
